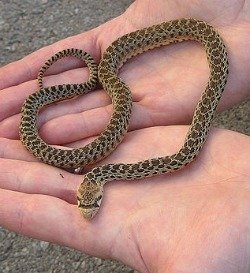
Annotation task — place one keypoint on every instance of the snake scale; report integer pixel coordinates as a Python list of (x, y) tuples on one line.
[(90, 191)]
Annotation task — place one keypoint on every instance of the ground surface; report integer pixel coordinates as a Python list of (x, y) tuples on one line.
[(24, 27)]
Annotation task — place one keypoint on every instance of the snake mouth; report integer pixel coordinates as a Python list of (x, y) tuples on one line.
[(89, 210), (88, 213)]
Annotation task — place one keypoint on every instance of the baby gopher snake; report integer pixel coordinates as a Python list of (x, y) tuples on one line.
[(90, 191)]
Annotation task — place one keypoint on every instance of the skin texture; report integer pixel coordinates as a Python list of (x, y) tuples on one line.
[(196, 220)]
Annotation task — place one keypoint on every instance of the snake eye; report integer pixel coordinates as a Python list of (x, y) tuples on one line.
[(99, 197), (98, 201), (96, 205)]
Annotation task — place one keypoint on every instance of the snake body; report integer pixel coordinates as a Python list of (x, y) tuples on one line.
[(90, 191)]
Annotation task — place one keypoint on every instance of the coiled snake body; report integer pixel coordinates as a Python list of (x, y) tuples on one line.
[(90, 191)]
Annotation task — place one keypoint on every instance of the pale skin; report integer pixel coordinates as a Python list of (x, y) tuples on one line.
[(196, 220)]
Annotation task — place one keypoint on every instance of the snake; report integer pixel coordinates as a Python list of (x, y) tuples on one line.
[(89, 194)]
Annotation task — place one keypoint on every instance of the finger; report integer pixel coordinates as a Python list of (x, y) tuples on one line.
[(42, 217), (11, 99), (79, 122), (76, 126), (14, 149), (76, 123), (38, 178), (27, 68)]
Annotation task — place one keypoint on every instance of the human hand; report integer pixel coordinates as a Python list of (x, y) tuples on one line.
[(37, 201), (195, 220), (166, 83)]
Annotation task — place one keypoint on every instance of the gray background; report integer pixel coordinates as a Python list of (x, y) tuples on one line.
[(24, 27)]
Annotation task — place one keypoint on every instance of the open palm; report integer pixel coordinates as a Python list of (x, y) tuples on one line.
[(158, 223), (201, 209)]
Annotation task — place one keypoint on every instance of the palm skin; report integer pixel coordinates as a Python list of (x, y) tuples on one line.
[(170, 223), (165, 224)]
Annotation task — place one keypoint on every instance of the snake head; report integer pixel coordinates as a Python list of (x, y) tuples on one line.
[(89, 198)]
